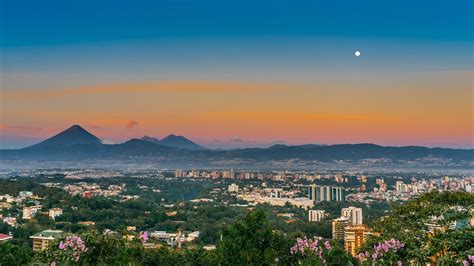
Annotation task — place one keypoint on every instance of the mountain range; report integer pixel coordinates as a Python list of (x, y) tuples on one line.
[(77, 144)]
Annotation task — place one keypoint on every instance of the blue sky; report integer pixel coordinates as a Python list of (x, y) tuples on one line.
[(31, 23)]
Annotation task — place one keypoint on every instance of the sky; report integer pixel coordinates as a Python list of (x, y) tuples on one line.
[(239, 73)]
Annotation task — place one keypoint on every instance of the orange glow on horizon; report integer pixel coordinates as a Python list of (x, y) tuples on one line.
[(405, 113)]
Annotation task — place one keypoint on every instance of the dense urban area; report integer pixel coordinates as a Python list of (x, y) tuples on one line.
[(165, 217)]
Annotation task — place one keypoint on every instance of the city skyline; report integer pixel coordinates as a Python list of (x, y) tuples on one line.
[(239, 74)]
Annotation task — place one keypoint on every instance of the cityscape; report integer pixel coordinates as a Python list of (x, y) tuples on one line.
[(237, 132)]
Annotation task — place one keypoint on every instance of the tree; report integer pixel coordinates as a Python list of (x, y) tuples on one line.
[(251, 241), (11, 254)]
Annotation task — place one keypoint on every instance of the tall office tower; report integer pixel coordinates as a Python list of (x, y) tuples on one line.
[(316, 215), (354, 237), (338, 227), (353, 213), (338, 194), (325, 193), (312, 192)]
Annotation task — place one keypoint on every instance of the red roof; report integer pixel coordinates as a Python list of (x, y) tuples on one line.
[(4, 237)]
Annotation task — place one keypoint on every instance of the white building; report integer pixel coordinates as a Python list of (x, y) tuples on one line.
[(353, 213), (161, 235), (25, 194), (233, 188), (316, 215), (55, 212)]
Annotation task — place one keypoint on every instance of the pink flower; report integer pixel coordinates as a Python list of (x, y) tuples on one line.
[(471, 258), (327, 245), (143, 236)]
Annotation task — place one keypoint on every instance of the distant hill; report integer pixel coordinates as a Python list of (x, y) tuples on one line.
[(176, 142), (74, 135), (76, 144)]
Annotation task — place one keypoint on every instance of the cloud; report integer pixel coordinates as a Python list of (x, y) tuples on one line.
[(131, 124)]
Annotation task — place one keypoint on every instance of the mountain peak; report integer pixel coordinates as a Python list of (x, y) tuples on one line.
[(174, 137), (71, 136), (175, 141), (75, 128)]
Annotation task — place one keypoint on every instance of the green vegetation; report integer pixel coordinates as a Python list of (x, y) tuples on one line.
[(434, 228), (421, 229)]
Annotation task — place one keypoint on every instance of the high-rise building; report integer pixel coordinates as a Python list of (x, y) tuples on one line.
[(179, 173), (326, 193), (354, 237), (316, 215), (338, 227), (338, 194), (353, 213)]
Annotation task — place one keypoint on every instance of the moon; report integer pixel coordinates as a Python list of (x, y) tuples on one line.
[(357, 53)]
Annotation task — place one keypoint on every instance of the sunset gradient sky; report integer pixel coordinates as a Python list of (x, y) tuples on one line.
[(239, 73)]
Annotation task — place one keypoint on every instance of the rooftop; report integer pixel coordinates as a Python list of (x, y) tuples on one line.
[(4, 237), (49, 234)]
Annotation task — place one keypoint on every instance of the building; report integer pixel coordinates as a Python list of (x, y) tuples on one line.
[(55, 212), (316, 215), (354, 237), (258, 199), (42, 239), (5, 238), (353, 213), (25, 194), (233, 188), (192, 236), (401, 187), (11, 221), (326, 193), (4, 205), (276, 193), (161, 235), (179, 173), (30, 212), (338, 227)]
